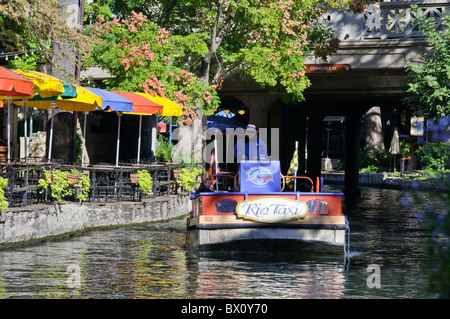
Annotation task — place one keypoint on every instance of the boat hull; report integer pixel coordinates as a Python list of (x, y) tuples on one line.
[(269, 239), (325, 234)]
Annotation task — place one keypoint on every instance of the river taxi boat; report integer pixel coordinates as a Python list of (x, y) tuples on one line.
[(262, 216)]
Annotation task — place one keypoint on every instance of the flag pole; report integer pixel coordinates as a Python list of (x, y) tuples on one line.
[(216, 164), (295, 169)]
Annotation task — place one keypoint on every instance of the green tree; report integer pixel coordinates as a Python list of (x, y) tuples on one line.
[(262, 41), (143, 57), (429, 81), (34, 28)]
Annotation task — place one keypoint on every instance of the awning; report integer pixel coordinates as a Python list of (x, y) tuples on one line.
[(222, 123)]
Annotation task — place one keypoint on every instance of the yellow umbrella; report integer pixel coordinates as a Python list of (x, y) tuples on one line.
[(170, 108), (85, 101), (43, 84)]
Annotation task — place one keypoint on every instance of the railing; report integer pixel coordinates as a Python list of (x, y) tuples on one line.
[(395, 19), (385, 20), (108, 182)]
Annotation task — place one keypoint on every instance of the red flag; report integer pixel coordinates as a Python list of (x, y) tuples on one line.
[(213, 167)]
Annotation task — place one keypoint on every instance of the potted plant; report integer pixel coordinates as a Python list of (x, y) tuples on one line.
[(73, 178), (189, 165), (57, 181), (134, 178), (80, 181), (188, 177), (176, 173), (61, 186), (145, 182), (3, 202)]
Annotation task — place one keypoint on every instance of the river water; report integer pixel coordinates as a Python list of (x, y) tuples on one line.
[(387, 260)]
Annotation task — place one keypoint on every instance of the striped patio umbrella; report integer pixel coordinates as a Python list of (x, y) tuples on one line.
[(141, 106)]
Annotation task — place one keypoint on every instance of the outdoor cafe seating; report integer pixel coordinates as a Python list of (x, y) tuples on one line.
[(108, 182)]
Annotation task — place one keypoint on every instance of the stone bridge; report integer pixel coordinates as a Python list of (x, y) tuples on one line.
[(375, 46)]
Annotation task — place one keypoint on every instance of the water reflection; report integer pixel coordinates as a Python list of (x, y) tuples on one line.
[(150, 261), (257, 277)]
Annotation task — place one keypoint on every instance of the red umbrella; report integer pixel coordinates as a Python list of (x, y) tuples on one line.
[(141, 105), (12, 84)]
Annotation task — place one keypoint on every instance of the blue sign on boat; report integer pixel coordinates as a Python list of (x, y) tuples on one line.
[(259, 176)]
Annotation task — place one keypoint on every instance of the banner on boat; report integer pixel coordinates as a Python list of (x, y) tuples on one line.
[(259, 176), (271, 209)]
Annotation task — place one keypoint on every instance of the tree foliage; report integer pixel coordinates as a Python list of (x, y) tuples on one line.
[(38, 27), (261, 41), (429, 82), (143, 57)]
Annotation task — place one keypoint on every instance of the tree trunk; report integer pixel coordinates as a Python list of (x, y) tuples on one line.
[(216, 40)]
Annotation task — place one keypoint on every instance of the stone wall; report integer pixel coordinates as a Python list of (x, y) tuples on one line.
[(37, 222)]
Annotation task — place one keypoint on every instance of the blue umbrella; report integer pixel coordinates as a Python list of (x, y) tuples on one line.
[(114, 102)]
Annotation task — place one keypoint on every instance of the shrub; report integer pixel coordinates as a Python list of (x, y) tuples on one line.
[(375, 161), (145, 182), (60, 186), (433, 156), (164, 149)]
